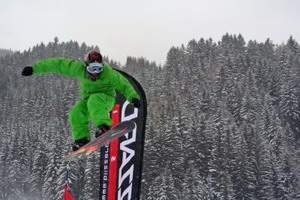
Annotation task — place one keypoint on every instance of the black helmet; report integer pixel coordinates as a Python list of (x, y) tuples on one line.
[(93, 56)]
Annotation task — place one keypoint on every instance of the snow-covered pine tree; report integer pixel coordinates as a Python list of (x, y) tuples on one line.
[(91, 181)]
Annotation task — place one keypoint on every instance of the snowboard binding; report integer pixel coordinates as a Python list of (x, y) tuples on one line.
[(101, 130), (79, 143)]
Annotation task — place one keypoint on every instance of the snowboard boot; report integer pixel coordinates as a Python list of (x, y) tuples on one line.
[(79, 143), (101, 130)]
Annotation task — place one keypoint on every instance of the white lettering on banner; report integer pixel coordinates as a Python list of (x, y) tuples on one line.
[(127, 191), (129, 117), (127, 155), (125, 161), (126, 150)]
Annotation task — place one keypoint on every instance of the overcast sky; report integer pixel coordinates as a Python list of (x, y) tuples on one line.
[(145, 28)]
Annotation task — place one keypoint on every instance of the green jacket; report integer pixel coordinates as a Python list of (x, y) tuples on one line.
[(108, 82)]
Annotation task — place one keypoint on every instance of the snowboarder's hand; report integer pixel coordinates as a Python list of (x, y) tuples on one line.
[(136, 102), (27, 71)]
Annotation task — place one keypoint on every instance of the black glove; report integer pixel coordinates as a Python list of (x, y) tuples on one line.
[(27, 71), (136, 102)]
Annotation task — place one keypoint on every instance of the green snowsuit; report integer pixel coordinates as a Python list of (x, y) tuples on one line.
[(97, 97)]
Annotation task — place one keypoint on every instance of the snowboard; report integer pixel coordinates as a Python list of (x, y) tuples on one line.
[(116, 132)]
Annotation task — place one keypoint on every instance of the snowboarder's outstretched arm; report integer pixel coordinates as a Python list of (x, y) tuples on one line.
[(67, 67), (122, 85)]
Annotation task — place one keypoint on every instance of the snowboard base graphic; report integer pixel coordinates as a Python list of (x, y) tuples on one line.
[(106, 138)]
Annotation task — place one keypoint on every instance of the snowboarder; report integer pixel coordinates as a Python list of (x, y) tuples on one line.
[(98, 85)]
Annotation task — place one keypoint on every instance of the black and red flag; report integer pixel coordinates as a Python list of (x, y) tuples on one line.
[(67, 190), (121, 160)]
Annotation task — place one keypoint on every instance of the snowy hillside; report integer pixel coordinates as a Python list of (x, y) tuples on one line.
[(223, 123), (4, 52)]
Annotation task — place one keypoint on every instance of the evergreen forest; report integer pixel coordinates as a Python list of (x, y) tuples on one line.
[(223, 122)]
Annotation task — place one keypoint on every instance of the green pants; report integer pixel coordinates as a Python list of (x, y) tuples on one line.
[(96, 108)]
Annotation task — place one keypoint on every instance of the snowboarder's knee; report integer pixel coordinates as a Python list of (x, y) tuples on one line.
[(77, 114)]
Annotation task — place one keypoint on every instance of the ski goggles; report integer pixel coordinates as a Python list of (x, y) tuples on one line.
[(94, 68)]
